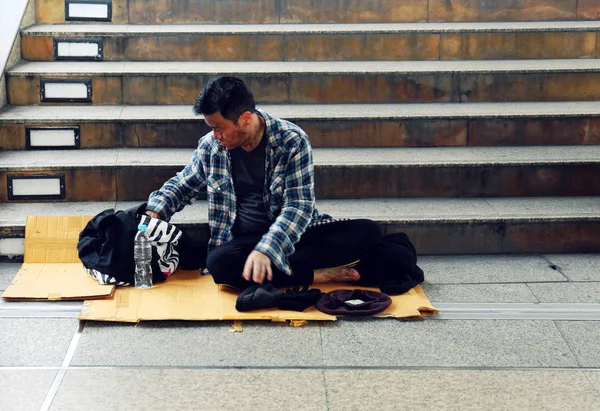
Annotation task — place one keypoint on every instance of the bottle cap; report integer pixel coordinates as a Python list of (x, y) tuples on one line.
[(142, 227)]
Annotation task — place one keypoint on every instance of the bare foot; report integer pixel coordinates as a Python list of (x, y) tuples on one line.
[(336, 275)]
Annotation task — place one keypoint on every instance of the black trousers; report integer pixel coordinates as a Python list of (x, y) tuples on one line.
[(325, 246)]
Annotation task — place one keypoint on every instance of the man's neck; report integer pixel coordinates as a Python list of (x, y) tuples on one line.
[(259, 130)]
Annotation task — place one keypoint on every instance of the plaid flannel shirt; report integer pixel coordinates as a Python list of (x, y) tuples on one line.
[(288, 194)]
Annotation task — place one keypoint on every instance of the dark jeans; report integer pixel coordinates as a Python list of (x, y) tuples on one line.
[(329, 245)]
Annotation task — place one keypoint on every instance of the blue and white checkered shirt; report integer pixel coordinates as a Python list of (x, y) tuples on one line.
[(288, 195)]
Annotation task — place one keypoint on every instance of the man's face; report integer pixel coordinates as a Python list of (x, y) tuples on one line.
[(228, 133)]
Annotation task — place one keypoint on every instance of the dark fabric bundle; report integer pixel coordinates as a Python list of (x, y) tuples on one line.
[(261, 296), (391, 265), (297, 299), (257, 297)]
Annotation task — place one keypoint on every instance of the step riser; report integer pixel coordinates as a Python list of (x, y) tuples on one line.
[(324, 47), (502, 238), (445, 238), (331, 11), (336, 88), (335, 133), (339, 182)]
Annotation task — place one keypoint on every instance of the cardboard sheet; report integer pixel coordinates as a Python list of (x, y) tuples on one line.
[(51, 269), (189, 296)]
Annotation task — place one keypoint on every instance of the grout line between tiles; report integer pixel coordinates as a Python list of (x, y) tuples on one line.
[(515, 282), (532, 293), (323, 370), (592, 384), (63, 369), (492, 207), (303, 368), (325, 388), (567, 342), (428, 11)]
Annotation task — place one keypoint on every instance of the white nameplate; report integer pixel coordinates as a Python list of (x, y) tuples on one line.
[(41, 186), (77, 49), (53, 137), (65, 90), (59, 90), (12, 246), (85, 10)]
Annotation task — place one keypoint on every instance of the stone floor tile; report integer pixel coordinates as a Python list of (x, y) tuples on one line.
[(8, 270), (479, 293), (567, 292), (186, 389), (466, 343), (487, 269), (584, 339), (24, 389), (577, 267), (199, 343), (459, 390), (35, 341)]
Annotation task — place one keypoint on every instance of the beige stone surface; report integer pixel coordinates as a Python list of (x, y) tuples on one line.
[(518, 45), (588, 10), (353, 11), (516, 10)]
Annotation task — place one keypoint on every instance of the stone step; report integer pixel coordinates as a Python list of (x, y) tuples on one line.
[(131, 174), (134, 83), (356, 125), (327, 11), (308, 42), (435, 225)]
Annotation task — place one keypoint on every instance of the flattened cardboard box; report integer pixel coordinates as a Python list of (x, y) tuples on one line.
[(187, 295), (52, 269)]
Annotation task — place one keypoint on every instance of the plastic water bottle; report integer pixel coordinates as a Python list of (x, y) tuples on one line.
[(142, 254)]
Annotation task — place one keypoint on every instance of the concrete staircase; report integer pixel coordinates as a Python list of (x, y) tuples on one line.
[(471, 125)]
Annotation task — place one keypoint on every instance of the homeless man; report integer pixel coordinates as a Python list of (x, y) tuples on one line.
[(257, 173)]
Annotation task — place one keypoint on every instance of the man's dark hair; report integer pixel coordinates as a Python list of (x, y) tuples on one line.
[(227, 95)]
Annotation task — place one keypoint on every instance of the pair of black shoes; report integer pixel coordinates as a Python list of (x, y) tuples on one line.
[(261, 296)]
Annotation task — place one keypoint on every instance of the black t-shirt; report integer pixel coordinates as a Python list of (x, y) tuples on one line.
[(249, 180)]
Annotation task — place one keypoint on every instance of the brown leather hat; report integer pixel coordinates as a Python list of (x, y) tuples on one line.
[(353, 302)]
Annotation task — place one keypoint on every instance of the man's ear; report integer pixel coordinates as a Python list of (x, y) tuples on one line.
[(246, 118)]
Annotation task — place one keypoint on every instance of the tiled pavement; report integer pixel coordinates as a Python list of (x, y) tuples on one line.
[(345, 365)]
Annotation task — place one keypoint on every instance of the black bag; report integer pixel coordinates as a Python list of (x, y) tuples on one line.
[(106, 245)]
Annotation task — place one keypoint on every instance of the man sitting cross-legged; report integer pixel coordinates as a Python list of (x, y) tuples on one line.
[(257, 172)]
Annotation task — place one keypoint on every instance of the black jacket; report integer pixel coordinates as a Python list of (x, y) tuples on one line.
[(106, 244)]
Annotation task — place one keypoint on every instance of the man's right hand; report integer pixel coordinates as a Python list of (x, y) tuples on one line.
[(152, 214)]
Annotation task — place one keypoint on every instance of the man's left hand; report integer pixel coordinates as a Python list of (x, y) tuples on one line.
[(257, 267)]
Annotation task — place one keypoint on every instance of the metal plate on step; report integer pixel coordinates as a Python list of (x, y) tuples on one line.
[(11, 246), (36, 187), (66, 90), (78, 49), (49, 138), (88, 10)]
